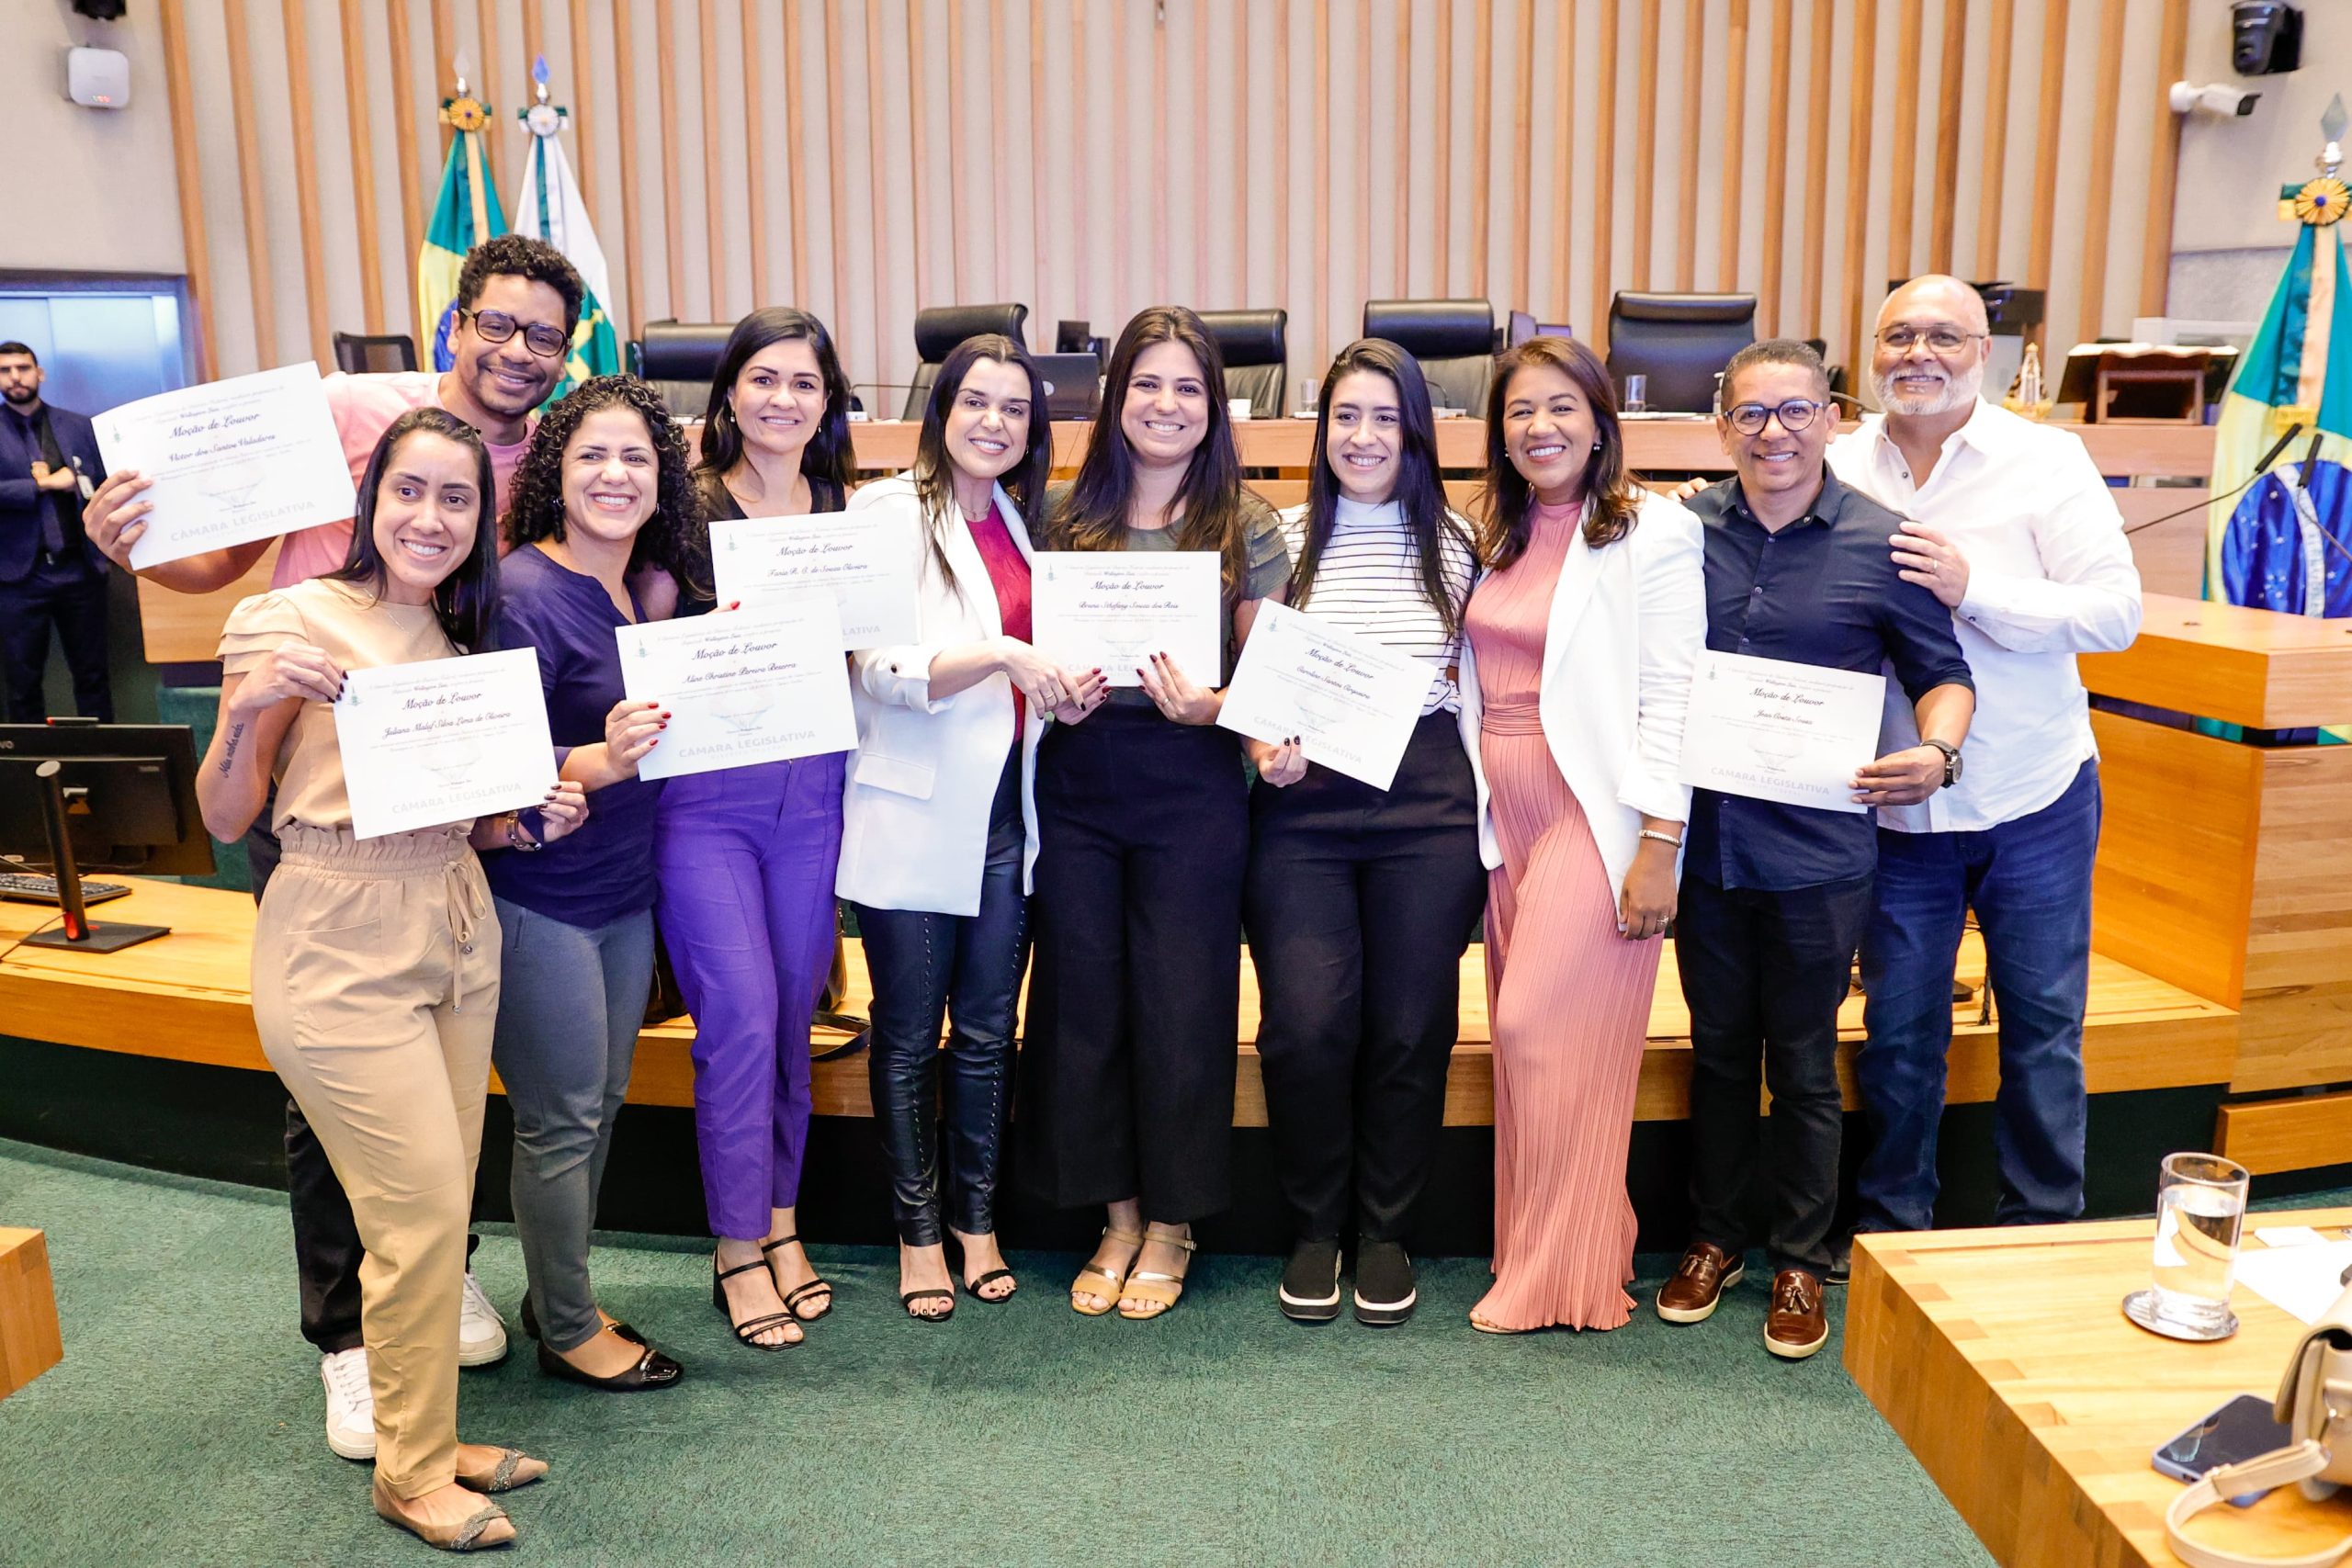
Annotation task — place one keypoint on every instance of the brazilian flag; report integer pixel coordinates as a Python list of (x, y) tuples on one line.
[(466, 213)]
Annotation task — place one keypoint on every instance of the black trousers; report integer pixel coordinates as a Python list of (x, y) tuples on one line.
[(964, 969), (1763, 973), (1128, 1061), (1358, 904), (70, 594)]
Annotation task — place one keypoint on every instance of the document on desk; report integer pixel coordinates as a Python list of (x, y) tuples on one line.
[(1352, 701), (2302, 1281), (231, 461), (758, 684), (1775, 730), (1113, 610), (442, 741), (865, 561)]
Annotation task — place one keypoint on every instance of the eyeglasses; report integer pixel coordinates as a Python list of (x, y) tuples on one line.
[(497, 326), (1749, 418), (1944, 340)]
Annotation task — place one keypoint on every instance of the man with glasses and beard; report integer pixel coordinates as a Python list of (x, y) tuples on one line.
[(48, 574), (518, 301), (2010, 524)]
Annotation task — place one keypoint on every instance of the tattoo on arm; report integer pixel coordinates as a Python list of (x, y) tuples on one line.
[(229, 746)]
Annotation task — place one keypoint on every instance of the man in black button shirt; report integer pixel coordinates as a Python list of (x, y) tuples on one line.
[(48, 573), (1774, 897)]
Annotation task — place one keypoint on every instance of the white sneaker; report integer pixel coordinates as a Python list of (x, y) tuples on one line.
[(351, 1404), (481, 1333)]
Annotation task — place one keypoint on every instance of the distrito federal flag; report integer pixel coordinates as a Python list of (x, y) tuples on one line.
[(465, 214), (548, 206)]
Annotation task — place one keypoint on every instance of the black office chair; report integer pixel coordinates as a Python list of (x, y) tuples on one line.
[(372, 354), (1453, 339), (1523, 326), (679, 358), (1255, 345), (939, 328), (1681, 342)]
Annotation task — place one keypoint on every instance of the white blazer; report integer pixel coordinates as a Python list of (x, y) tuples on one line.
[(1627, 622), (915, 808)]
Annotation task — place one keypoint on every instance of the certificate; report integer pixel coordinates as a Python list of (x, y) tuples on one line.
[(757, 684), (1113, 610), (868, 564), (442, 741), (1352, 701), (230, 462), (1773, 731)]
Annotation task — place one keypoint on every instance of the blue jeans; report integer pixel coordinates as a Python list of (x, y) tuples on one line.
[(2030, 881)]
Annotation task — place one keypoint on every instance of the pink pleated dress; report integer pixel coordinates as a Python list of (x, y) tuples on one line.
[(1569, 997)]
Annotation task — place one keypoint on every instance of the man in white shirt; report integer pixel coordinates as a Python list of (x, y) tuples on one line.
[(2012, 527)]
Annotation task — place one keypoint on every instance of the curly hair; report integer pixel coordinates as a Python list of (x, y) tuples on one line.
[(521, 255), (675, 537)]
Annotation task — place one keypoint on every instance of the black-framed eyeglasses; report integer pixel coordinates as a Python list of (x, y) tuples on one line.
[(1944, 340), (497, 326), (1749, 418)]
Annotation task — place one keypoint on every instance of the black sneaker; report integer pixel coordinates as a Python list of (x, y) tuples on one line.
[(1841, 1260), (1310, 1289), (1384, 1287)]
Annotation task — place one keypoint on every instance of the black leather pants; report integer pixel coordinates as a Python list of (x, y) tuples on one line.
[(965, 970)]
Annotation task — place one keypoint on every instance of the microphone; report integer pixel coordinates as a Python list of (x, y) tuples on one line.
[(2261, 468)]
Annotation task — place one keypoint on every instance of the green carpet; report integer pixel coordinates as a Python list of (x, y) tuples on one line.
[(183, 1425)]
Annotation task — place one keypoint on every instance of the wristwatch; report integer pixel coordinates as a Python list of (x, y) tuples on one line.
[(1951, 760)]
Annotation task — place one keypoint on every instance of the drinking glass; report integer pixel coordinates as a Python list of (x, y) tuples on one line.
[(2200, 1206), (1637, 393)]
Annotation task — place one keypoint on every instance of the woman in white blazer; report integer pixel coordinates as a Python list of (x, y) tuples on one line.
[(1576, 673), (939, 823)]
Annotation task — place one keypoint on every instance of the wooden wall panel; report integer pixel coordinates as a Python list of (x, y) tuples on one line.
[(1186, 149)]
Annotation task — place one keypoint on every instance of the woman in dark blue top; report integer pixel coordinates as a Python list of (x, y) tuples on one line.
[(604, 492)]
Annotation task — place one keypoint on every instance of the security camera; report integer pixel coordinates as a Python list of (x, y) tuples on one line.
[(2188, 98)]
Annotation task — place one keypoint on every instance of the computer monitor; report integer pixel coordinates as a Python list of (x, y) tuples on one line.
[(1073, 384), (122, 797)]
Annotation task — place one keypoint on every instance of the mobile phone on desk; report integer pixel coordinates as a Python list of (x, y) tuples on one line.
[(2240, 1430)]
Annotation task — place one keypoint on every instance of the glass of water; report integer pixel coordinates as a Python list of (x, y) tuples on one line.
[(2200, 1206), (1637, 393)]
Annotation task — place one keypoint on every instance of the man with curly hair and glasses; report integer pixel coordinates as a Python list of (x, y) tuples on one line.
[(518, 301)]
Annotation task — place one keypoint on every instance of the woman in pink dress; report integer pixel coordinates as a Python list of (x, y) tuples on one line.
[(1576, 674)]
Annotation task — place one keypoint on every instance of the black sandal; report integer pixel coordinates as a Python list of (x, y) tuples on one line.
[(794, 1296), (747, 1332), (972, 1287), (909, 1298)]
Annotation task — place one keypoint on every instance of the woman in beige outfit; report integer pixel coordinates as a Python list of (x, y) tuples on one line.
[(374, 965)]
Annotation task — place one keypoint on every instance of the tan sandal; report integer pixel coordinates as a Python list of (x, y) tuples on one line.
[(1166, 1290), (1113, 1280)]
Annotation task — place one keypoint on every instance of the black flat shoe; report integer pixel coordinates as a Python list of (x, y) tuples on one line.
[(800, 1293), (1386, 1289), (531, 1325), (653, 1370), (747, 1332), (1310, 1289), (908, 1299)]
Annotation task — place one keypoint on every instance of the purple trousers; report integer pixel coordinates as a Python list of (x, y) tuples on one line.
[(746, 859)]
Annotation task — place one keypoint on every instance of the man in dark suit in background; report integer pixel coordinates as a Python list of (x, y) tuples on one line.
[(48, 573)]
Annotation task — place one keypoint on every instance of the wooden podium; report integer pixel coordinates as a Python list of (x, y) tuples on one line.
[(2225, 865)]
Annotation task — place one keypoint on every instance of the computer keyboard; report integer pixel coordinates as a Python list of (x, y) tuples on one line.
[(31, 887)]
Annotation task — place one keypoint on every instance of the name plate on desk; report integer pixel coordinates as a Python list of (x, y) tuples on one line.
[(444, 740), (742, 686), (1113, 610), (867, 565), (1352, 701), (1775, 730)]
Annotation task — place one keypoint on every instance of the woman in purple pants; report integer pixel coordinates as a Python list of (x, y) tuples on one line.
[(746, 857)]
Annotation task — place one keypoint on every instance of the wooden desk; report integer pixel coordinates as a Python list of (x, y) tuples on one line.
[(30, 1342), (2001, 1361)]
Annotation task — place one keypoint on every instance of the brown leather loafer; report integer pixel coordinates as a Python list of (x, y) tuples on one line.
[(1706, 1272), (1795, 1326)]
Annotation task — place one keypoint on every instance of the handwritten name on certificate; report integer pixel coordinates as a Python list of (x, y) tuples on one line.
[(1352, 701), (444, 740), (1113, 610), (757, 684), (868, 564), (231, 461), (1773, 731)]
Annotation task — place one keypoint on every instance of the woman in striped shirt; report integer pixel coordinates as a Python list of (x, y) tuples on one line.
[(1359, 901)]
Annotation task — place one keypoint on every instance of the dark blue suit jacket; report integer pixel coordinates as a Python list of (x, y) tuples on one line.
[(21, 500)]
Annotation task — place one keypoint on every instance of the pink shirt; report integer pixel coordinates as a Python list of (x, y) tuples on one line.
[(363, 408)]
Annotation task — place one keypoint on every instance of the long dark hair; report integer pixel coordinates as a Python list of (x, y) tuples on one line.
[(1093, 513), (464, 601), (934, 473), (1419, 495), (1506, 520), (675, 537), (827, 460)]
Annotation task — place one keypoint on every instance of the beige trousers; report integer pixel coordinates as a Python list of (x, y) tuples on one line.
[(375, 992)]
